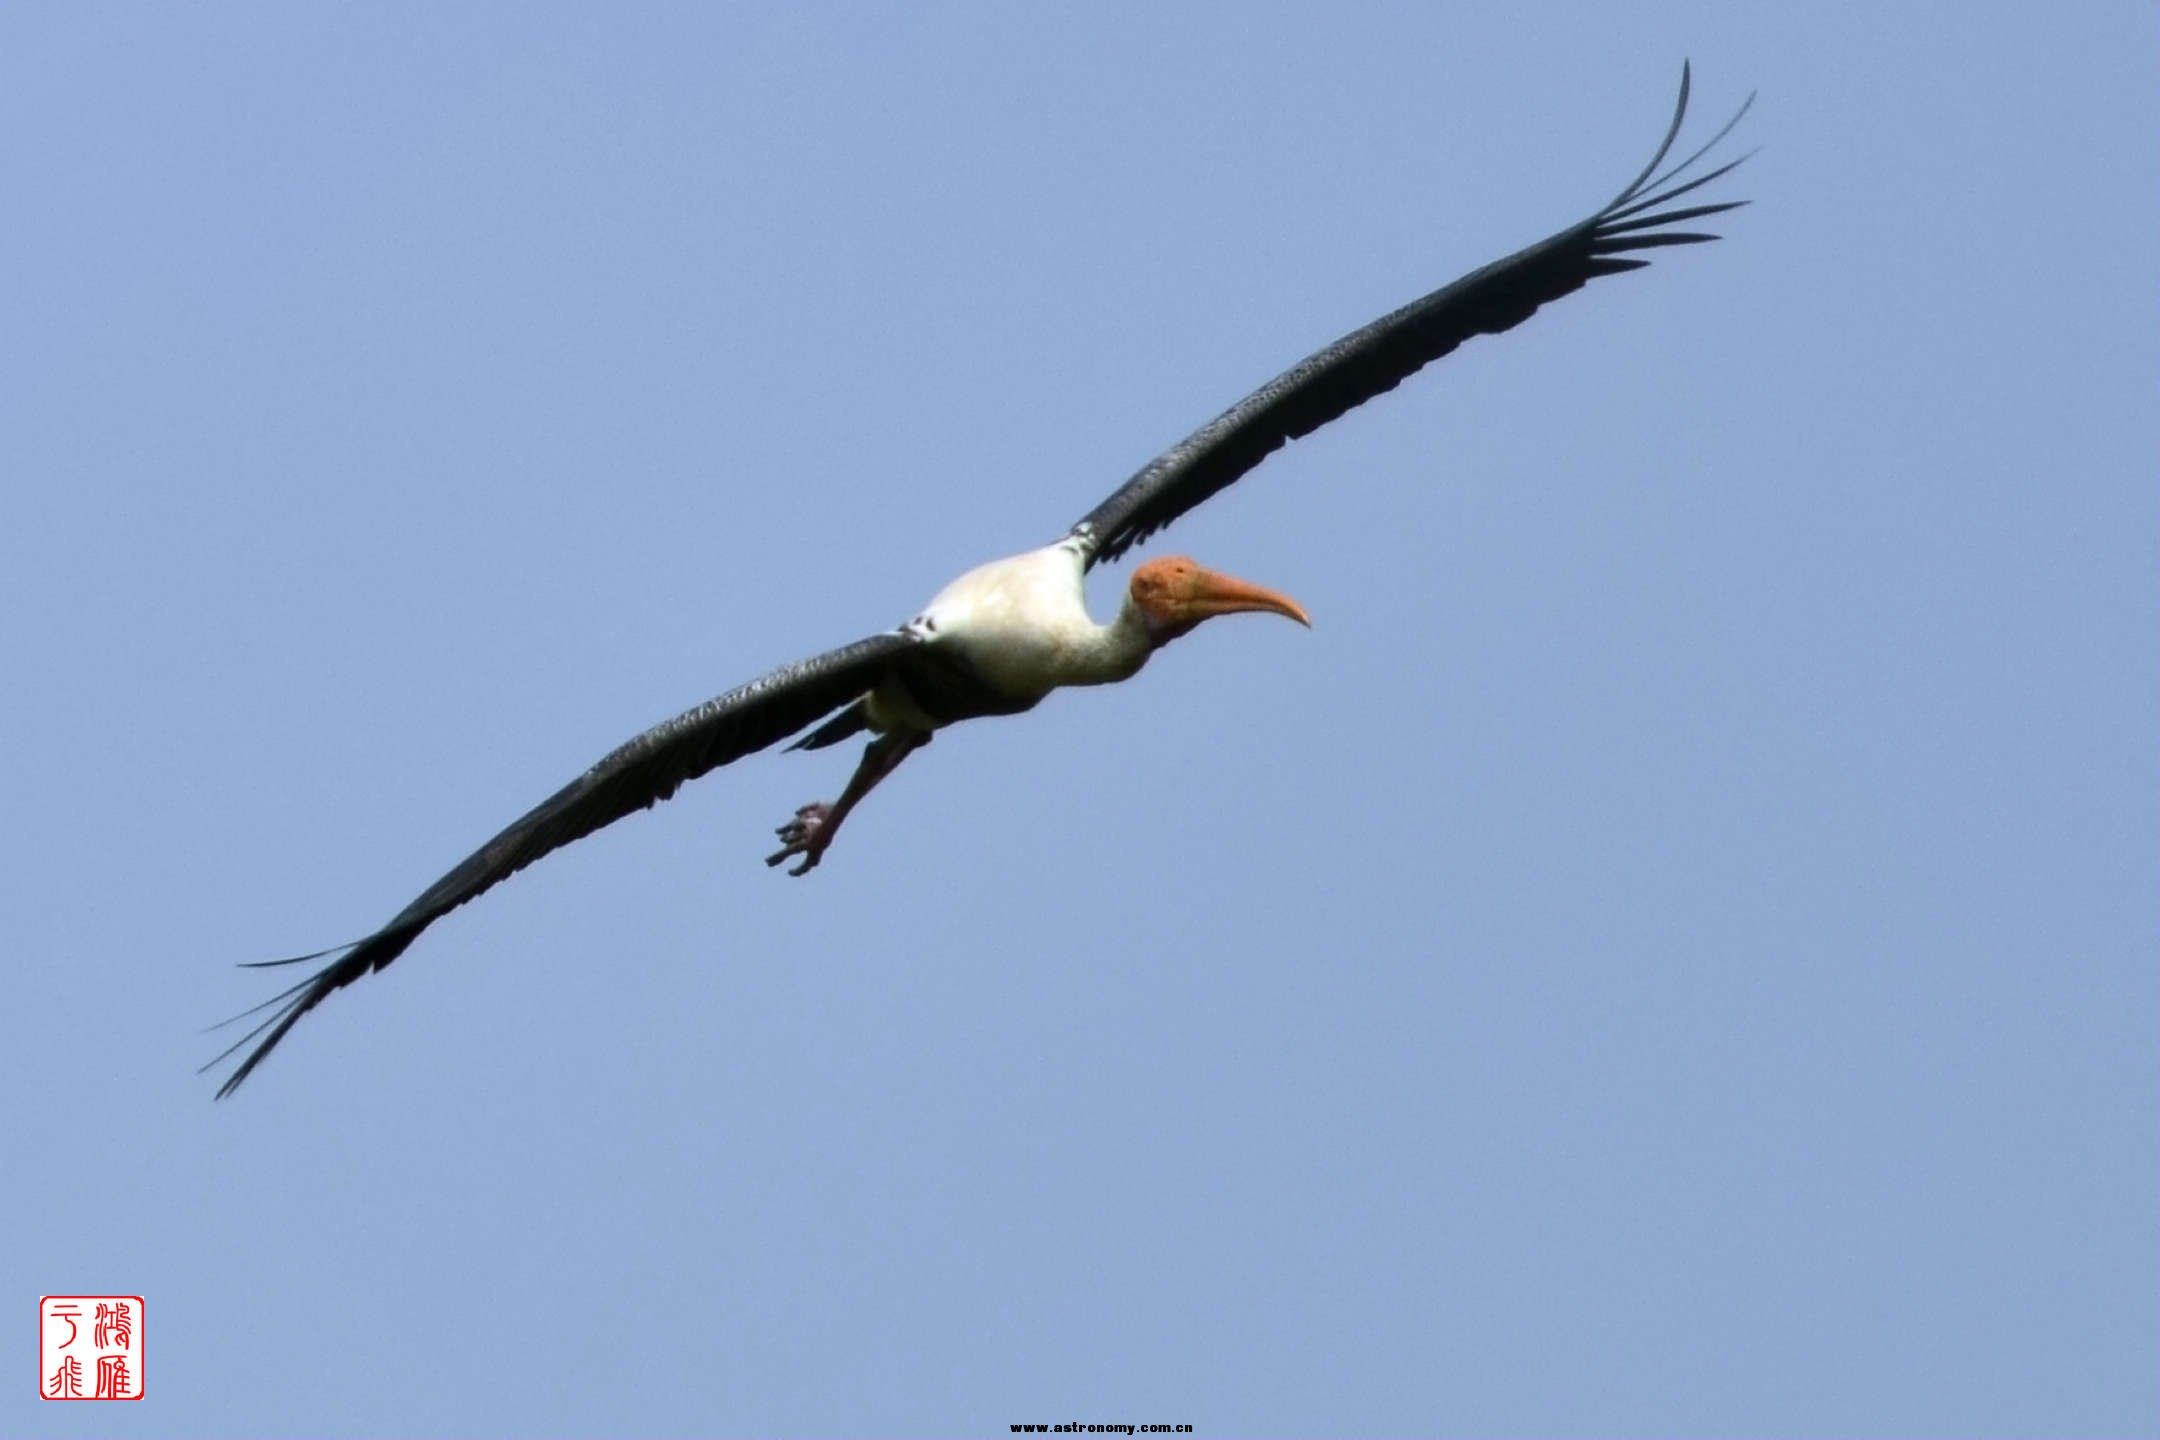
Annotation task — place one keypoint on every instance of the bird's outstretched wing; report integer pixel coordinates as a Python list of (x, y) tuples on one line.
[(1374, 360), (636, 775)]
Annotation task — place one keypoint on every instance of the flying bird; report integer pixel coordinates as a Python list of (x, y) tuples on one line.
[(1004, 635)]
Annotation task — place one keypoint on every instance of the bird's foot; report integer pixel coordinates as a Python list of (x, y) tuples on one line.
[(803, 836)]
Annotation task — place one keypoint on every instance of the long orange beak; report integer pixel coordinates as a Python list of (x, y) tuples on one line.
[(1209, 593)]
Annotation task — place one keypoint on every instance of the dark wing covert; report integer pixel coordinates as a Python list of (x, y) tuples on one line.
[(1371, 361), (635, 776)]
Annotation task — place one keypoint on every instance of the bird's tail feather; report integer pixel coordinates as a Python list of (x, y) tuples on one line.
[(848, 723)]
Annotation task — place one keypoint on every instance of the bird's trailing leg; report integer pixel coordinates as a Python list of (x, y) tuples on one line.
[(814, 826)]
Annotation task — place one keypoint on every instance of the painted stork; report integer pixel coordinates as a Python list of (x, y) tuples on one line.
[(1004, 635)]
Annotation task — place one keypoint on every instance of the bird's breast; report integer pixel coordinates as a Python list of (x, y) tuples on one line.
[(1020, 624)]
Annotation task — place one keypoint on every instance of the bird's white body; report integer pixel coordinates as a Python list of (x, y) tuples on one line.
[(1022, 624)]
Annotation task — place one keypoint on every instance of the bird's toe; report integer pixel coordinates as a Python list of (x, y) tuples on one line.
[(799, 836)]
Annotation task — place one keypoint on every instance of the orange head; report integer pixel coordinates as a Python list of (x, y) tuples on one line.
[(1176, 593)]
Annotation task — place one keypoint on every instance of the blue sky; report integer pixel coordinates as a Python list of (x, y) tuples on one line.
[(1670, 952)]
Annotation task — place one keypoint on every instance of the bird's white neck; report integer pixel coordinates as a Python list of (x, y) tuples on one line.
[(1113, 652)]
